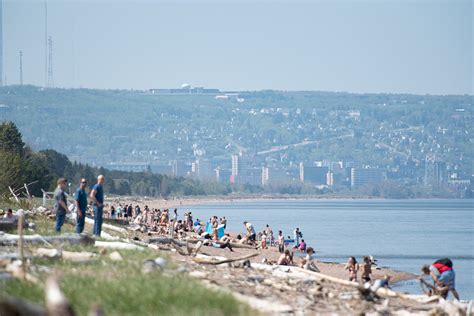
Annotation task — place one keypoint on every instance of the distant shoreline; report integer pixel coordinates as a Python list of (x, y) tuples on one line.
[(176, 202)]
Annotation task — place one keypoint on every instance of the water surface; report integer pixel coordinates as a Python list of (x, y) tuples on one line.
[(401, 234)]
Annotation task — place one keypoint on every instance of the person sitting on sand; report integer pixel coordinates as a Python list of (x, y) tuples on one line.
[(366, 269), (286, 259), (242, 240), (9, 215), (250, 231), (383, 283), (307, 263), (224, 222), (220, 245), (353, 267)]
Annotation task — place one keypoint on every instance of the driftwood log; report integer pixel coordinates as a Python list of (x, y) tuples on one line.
[(66, 255), (117, 245), (7, 225), (12, 240), (108, 226), (20, 307), (232, 244), (215, 261)]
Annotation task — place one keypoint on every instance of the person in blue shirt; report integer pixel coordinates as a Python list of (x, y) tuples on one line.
[(97, 197), (81, 205)]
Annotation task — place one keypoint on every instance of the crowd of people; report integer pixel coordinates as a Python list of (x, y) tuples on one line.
[(212, 233)]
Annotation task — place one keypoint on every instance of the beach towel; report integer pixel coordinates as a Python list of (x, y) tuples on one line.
[(220, 230)]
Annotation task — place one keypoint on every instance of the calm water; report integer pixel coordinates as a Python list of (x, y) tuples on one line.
[(402, 235)]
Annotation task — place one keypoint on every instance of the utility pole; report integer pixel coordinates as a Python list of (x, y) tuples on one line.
[(45, 43), (50, 63)]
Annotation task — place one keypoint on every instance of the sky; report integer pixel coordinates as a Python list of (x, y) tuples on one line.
[(422, 47)]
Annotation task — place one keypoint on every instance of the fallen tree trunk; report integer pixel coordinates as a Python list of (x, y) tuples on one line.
[(65, 255), (232, 244), (12, 240), (166, 240), (215, 261), (382, 292), (117, 245), (17, 306), (108, 226), (7, 225)]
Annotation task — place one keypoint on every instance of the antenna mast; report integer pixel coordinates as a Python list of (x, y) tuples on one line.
[(50, 63)]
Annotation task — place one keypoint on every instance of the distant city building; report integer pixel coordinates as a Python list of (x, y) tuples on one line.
[(362, 176), (223, 175), (179, 168), (251, 176), (282, 176), (235, 165), (435, 171), (313, 174), (166, 169), (265, 176), (204, 170), (330, 178), (186, 89)]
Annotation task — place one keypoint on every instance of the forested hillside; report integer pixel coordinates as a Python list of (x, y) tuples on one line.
[(20, 165), (99, 127)]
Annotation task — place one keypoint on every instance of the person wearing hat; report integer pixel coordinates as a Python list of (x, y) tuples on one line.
[(60, 204), (81, 205)]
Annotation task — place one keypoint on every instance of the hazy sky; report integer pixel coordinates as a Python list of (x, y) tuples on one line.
[(371, 46)]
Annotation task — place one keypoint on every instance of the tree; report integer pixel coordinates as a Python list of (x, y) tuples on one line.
[(10, 171), (10, 138)]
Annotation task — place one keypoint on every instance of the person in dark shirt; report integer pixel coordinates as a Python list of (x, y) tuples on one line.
[(97, 197), (81, 205), (60, 204)]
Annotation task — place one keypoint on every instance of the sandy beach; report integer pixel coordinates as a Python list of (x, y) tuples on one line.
[(333, 269)]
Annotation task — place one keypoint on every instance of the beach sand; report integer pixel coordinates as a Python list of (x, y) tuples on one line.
[(332, 269)]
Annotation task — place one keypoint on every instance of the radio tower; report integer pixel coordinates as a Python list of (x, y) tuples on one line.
[(1, 43), (45, 43), (21, 68), (50, 63)]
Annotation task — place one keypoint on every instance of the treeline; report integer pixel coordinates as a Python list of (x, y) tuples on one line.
[(20, 165)]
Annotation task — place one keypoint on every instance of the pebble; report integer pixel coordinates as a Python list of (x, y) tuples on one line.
[(115, 256), (198, 274), (161, 262), (256, 278)]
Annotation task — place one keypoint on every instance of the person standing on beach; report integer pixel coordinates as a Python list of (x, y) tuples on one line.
[(281, 242), (353, 267), (307, 263), (366, 269), (296, 236), (60, 204), (81, 205), (269, 233), (97, 197)]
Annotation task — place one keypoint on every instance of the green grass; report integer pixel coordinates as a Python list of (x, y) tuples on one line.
[(121, 288)]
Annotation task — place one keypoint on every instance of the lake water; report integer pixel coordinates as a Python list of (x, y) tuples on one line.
[(401, 234)]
